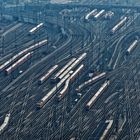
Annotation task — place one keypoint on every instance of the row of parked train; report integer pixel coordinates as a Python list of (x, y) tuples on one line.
[(66, 76), (96, 14), (122, 22), (13, 63), (62, 78)]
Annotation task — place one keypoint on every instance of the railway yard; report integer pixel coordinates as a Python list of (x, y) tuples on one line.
[(69, 73)]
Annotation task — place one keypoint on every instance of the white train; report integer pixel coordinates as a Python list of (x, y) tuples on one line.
[(90, 81), (110, 123), (69, 80), (90, 14), (119, 25), (97, 95), (55, 77), (132, 47), (49, 95), (48, 74), (75, 64), (99, 14), (35, 29), (18, 63), (20, 54), (109, 15), (76, 73), (5, 123)]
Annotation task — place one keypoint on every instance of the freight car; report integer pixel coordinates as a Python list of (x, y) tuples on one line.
[(99, 14), (18, 63), (55, 77), (97, 95), (5, 123), (48, 74), (109, 125), (90, 14), (132, 47), (35, 29), (69, 80), (91, 81), (119, 25), (75, 64)]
